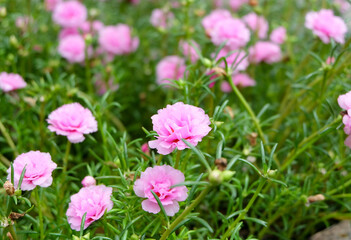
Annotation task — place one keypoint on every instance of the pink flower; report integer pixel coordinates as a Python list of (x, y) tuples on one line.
[(102, 86), (326, 26), (72, 48), (11, 81), (346, 120), (237, 59), (65, 32), (344, 5), (38, 172), (170, 67), (236, 4), (92, 200), (176, 122), (344, 101), (278, 35), (145, 148), (51, 4), (189, 51), (240, 79), (257, 24), (159, 179), (267, 52), (91, 27), (330, 60), (209, 22), (72, 120), (88, 181), (118, 39), (70, 14), (347, 141), (161, 19), (232, 32), (22, 22)]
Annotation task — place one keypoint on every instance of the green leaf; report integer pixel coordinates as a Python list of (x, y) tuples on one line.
[(160, 204), (82, 225), (198, 153), (190, 183), (21, 177)]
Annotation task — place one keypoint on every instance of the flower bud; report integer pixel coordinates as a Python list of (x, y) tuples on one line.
[(88, 181), (207, 63), (3, 12), (94, 13), (227, 175), (13, 41), (18, 192), (88, 39), (8, 186), (271, 173), (216, 177)]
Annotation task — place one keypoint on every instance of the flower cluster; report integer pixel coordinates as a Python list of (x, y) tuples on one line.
[(345, 103)]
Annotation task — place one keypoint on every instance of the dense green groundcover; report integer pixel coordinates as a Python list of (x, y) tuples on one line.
[(282, 137)]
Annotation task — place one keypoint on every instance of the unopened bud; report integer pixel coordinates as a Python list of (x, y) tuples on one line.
[(3, 12), (216, 177), (8, 186), (88, 181), (207, 63), (88, 39), (93, 12), (227, 175), (271, 173), (18, 192), (13, 41)]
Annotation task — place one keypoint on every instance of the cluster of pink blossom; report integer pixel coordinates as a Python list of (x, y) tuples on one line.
[(345, 103), (11, 81)]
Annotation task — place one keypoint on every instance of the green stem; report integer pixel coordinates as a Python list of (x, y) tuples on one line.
[(176, 166), (242, 215), (341, 187), (12, 231), (252, 115), (185, 213), (41, 225), (8, 138), (65, 159)]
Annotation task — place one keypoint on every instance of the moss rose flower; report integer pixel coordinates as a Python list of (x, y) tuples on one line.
[(11, 81), (176, 122)]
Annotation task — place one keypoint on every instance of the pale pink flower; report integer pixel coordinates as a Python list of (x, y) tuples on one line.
[(209, 22), (92, 200), (232, 32), (88, 181), (65, 32), (330, 60), (326, 26), (258, 24), (263, 51), (118, 39), (51, 4), (278, 35), (237, 59), (189, 51), (170, 67), (161, 19), (240, 80), (346, 120), (344, 5), (72, 120), (347, 141), (344, 101), (102, 86), (176, 122), (39, 167), (22, 22), (159, 179), (72, 48), (70, 14), (11, 81), (236, 4)]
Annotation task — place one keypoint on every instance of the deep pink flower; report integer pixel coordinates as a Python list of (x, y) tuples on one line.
[(240, 79), (72, 48), (38, 172), (170, 67), (70, 14), (232, 32), (145, 148), (11, 81), (209, 22), (237, 59), (236, 4), (159, 179), (278, 35), (344, 101), (263, 51), (176, 122), (88, 181), (93, 200), (256, 23), (189, 51), (118, 39), (72, 120), (161, 19), (326, 26), (51, 4)]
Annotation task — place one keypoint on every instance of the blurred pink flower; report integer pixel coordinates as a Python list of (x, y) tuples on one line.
[(346, 120), (263, 51), (145, 148), (189, 51), (344, 101), (65, 32), (278, 35), (257, 24), (11, 81), (159, 179), (161, 19), (92, 200), (170, 67), (22, 22), (176, 122), (91, 27), (88, 181), (232, 32), (209, 22), (326, 26), (102, 86), (237, 59), (330, 60), (51, 4), (70, 14), (72, 120), (347, 141), (118, 39), (344, 5), (240, 79), (72, 48), (38, 172), (236, 4)]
